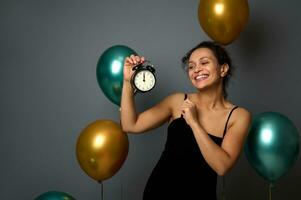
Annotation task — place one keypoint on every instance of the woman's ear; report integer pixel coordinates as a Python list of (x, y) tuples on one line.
[(224, 70)]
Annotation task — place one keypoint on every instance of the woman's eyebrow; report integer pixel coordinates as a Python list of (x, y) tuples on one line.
[(200, 59), (189, 62), (204, 57)]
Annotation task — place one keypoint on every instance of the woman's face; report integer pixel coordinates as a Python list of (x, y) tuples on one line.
[(204, 69)]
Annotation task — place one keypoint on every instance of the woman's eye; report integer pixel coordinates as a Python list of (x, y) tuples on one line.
[(205, 63)]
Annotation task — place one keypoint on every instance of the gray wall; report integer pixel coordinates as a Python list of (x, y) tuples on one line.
[(49, 91)]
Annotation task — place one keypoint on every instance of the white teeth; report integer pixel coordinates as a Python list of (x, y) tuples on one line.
[(203, 76)]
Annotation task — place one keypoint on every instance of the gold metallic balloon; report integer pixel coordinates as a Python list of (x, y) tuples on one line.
[(101, 149), (223, 20)]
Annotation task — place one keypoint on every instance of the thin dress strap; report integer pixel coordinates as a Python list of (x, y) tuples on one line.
[(225, 130), (184, 100)]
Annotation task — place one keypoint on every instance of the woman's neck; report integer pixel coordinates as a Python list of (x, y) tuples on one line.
[(210, 98)]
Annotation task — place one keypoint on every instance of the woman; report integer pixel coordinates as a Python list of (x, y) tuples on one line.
[(206, 132)]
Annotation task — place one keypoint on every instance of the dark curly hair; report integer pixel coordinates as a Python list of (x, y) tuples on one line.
[(221, 55)]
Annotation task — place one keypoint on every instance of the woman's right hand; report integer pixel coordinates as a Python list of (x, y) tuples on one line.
[(129, 63)]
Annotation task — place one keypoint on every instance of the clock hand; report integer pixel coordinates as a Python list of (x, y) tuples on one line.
[(143, 76)]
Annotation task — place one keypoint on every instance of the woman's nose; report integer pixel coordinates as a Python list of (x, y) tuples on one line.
[(198, 68)]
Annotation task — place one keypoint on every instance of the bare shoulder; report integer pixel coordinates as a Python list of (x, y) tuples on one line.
[(175, 99), (170, 102), (237, 131), (176, 96), (241, 116), (243, 112)]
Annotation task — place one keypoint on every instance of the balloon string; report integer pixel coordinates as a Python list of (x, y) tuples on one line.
[(102, 191), (101, 183), (270, 190)]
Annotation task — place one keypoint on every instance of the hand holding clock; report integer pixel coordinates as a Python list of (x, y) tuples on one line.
[(140, 73), (129, 63)]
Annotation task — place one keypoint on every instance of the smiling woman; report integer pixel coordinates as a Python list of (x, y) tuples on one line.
[(212, 53), (206, 132)]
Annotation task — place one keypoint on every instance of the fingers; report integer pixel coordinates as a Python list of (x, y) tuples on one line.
[(187, 105), (186, 108), (188, 101), (134, 59), (129, 60), (183, 110)]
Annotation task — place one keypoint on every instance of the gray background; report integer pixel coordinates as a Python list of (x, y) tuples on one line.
[(49, 91)]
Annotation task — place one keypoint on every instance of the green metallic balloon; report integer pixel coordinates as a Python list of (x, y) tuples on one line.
[(110, 71), (272, 145), (55, 195)]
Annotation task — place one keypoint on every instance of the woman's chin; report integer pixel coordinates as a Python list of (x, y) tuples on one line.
[(201, 87), (200, 84)]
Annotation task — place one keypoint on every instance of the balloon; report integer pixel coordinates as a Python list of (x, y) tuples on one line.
[(55, 195), (272, 145), (110, 71), (223, 20), (101, 149)]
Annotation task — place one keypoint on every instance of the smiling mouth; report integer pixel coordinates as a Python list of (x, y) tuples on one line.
[(201, 77)]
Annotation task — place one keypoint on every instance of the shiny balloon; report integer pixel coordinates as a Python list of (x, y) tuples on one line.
[(101, 149), (110, 71), (55, 195), (223, 20), (272, 145)]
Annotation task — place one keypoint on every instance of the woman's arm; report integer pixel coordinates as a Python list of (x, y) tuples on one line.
[(223, 158), (149, 119), (220, 158)]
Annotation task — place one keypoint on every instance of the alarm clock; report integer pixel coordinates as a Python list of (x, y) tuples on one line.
[(143, 79)]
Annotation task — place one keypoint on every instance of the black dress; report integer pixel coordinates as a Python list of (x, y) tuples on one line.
[(182, 172)]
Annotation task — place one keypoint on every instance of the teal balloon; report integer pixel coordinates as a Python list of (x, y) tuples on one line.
[(110, 71), (55, 195), (272, 146)]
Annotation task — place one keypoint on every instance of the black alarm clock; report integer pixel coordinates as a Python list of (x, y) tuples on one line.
[(143, 79)]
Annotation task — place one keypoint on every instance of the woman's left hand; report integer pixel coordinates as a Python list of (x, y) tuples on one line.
[(189, 112)]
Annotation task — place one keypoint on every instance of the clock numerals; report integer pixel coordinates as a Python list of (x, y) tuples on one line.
[(144, 80)]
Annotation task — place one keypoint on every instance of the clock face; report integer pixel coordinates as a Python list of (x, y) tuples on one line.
[(144, 80)]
